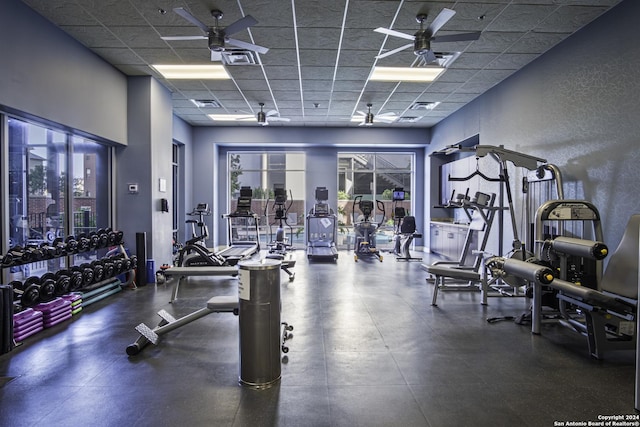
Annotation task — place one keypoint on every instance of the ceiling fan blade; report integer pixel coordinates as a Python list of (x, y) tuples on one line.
[(362, 113), (189, 17), (278, 119), (394, 33), (216, 55), (184, 38), (240, 24), (248, 46), (271, 113), (391, 52), (440, 20), (457, 37), (389, 114)]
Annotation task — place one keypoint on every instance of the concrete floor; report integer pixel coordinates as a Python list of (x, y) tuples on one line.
[(368, 350)]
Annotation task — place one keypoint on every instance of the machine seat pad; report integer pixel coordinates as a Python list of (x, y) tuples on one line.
[(223, 303), (593, 297), (453, 272), (201, 271)]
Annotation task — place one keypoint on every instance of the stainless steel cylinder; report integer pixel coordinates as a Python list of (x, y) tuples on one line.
[(259, 318)]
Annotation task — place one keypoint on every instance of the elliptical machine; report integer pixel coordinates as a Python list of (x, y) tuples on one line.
[(365, 229), (281, 244), (194, 252)]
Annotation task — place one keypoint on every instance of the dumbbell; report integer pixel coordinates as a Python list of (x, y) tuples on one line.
[(104, 238), (63, 282), (17, 255), (48, 252), (134, 261), (59, 245), (118, 265), (71, 245), (84, 243), (87, 274), (47, 287), (112, 237), (109, 268), (126, 264), (77, 278), (35, 252), (28, 292), (119, 237), (98, 271), (94, 240)]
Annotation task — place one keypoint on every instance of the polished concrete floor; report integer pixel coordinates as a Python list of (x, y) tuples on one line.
[(368, 350)]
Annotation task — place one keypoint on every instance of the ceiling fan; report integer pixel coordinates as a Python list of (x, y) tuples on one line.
[(269, 116), (219, 37), (368, 116), (423, 37)]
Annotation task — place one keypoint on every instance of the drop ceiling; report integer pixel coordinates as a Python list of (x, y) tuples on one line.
[(321, 53)]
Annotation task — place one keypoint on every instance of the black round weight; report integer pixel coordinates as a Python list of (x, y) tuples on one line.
[(59, 245), (47, 287), (118, 265), (84, 243), (111, 238), (119, 237), (104, 238), (30, 291), (109, 268), (72, 245), (77, 278), (94, 240), (87, 274), (63, 282), (126, 264), (98, 271)]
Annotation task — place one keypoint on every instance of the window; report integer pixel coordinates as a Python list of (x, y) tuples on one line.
[(373, 176), (260, 172), (59, 185)]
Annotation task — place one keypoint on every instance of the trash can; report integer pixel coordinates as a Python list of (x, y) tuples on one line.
[(259, 318)]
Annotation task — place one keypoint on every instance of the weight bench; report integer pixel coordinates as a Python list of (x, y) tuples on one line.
[(184, 272), (453, 272), (217, 304)]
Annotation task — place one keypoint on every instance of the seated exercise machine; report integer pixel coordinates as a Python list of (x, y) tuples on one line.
[(243, 231), (602, 306), (405, 229), (481, 211), (322, 227), (365, 229)]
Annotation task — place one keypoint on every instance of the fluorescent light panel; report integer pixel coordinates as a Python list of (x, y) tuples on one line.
[(195, 72), (232, 117), (406, 74)]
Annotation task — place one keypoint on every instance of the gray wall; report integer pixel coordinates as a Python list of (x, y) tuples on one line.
[(144, 162), (577, 106), (46, 73), (321, 143)]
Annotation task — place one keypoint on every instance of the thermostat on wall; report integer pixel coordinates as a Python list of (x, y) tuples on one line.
[(133, 188)]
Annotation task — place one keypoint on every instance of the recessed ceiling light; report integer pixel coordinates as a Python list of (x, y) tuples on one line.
[(406, 74), (232, 117), (196, 72)]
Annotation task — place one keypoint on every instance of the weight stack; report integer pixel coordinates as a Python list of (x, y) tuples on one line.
[(54, 312), (6, 319)]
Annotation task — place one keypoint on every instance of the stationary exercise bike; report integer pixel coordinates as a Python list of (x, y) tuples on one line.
[(404, 227), (365, 229), (194, 252)]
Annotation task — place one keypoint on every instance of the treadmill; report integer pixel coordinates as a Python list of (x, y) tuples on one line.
[(322, 228), (243, 231)]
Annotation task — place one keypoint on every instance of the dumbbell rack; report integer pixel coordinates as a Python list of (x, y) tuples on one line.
[(62, 294)]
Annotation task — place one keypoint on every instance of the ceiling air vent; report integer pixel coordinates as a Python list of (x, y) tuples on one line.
[(238, 57), (423, 105), (407, 119), (206, 103)]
